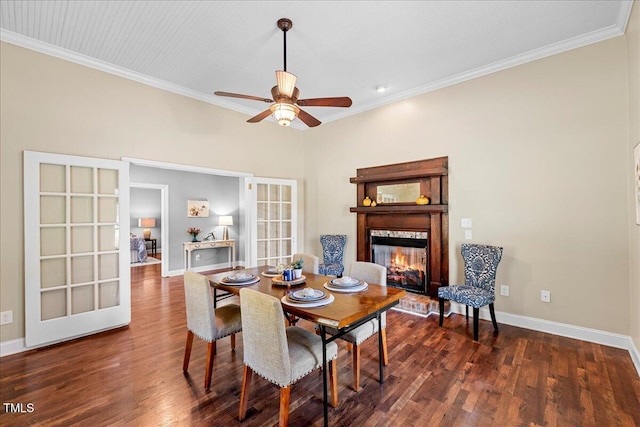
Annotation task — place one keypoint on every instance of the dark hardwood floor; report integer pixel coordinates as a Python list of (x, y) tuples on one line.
[(436, 377)]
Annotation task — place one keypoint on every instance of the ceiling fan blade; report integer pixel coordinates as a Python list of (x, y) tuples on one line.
[(343, 101), (286, 82), (237, 95), (308, 119), (260, 117)]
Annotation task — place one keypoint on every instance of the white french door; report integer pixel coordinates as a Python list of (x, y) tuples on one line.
[(274, 228), (76, 221)]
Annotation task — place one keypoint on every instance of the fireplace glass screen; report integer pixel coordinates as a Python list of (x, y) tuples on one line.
[(404, 257)]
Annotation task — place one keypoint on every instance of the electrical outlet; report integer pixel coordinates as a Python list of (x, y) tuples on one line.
[(504, 290), (545, 296), (6, 317), (468, 235), (197, 257)]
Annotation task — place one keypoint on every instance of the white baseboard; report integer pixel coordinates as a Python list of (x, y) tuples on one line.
[(12, 347), (562, 329)]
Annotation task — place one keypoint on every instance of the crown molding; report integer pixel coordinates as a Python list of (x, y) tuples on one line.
[(67, 55), (533, 55)]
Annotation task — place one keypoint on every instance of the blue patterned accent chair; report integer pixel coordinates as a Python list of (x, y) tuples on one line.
[(480, 267), (332, 254)]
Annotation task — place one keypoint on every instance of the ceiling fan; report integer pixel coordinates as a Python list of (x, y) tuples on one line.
[(286, 105)]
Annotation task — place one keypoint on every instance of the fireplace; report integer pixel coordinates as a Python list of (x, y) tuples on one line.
[(400, 227), (404, 255)]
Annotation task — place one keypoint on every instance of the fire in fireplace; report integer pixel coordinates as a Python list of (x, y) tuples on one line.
[(404, 254)]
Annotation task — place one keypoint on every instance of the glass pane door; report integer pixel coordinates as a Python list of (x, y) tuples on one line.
[(76, 281), (275, 225)]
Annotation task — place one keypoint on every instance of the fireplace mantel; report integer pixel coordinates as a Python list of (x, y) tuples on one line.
[(384, 209), (432, 176)]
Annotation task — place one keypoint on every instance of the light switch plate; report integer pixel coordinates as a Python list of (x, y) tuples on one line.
[(468, 235), (465, 223)]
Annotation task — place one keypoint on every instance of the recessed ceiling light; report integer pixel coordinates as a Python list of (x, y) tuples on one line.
[(380, 89)]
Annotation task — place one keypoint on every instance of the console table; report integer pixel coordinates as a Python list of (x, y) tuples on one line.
[(210, 244), (154, 248)]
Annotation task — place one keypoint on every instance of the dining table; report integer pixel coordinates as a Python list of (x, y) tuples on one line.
[(346, 310)]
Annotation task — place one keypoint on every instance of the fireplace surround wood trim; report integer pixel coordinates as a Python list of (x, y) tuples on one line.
[(380, 209), (432, 175), (394, 176)]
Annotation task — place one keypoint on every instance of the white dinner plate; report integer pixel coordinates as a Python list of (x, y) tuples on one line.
[(239, 278), (345, 282), (307, 295), (248, 282), (361, 287), (267, 274), (320, 303)]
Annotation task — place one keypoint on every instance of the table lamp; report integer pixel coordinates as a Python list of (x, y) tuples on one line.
[(147, 223), (225, 220)]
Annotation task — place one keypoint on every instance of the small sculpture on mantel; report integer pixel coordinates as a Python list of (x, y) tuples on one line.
[(422, 200), (366, 202)]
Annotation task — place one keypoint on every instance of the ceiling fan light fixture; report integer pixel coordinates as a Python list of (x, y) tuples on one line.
[(286, 82), (284, 113), (286, 95)]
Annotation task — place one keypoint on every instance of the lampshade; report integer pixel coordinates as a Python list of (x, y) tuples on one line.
[(225, 220), (147, 222), (284, 113)]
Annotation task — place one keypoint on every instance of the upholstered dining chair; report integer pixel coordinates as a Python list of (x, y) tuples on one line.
[(370, 273), (480, 267), (332, 254), (281, 355), (311, 262), (207, 323)]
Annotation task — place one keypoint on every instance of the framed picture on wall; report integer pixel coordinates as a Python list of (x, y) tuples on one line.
[(636, 180), (197, 208)]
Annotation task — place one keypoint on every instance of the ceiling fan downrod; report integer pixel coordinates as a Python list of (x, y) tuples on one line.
[(286, 105), (285, 25)]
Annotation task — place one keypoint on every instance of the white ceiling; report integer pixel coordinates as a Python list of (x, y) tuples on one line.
[(336, 48)]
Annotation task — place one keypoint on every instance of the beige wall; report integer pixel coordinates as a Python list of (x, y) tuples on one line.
[(51, 105), (538, 158), (633, 49)]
